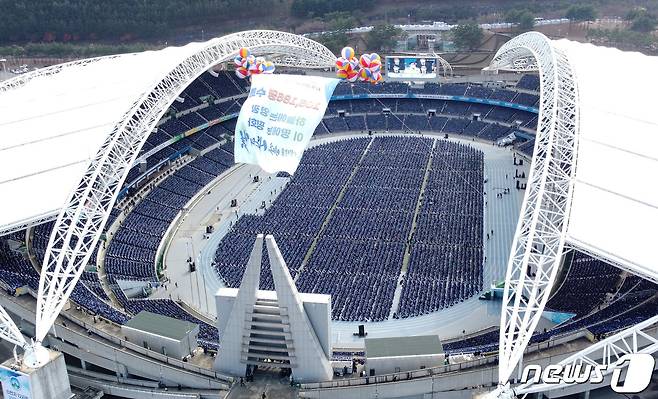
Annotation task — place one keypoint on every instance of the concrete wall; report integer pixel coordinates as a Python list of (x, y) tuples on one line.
[(49, 381), (142, 393), (319, 314), (115, 354), (388, 365), (224, 306), (164, 345)]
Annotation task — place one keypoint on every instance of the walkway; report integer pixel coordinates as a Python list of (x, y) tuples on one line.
[(265, 380), (414, 222)]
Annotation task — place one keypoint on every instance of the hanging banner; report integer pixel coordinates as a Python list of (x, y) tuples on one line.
[(15, 385), (278, 119)]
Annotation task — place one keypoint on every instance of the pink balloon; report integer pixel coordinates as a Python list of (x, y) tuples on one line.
[(241, 72), (364, 61)]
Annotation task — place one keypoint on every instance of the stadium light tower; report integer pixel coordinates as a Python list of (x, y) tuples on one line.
[(82, 218)]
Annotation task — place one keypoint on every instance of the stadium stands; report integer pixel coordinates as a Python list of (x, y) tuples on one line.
[(131, 254), (590, 291), (210, 98), (528, 82), (527, 148), (588, 284), (365, 191)]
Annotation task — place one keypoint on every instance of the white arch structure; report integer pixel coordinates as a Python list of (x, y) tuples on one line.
[(82, 218), (446, 69), (578, 192), (540, 235)]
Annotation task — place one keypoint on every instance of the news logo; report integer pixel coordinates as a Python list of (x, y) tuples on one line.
[(630, 374), (638, 369)]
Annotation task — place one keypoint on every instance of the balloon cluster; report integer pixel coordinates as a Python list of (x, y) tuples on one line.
[(367, 68), (246, 64), (346, 65), (371, 68)]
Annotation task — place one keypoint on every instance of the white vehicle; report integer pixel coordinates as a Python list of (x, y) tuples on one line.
[(20, 70)]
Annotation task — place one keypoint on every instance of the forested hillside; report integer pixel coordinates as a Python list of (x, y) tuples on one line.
[(87, 20), (23, 21), (84, 28)]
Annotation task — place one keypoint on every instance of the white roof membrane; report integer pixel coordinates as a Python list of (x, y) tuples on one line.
[(51, 126), (615, 201)]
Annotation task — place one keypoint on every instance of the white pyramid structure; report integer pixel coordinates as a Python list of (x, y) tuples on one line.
[(280, 328)]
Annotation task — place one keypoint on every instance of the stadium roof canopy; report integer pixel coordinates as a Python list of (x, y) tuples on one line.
[(53, 125), (54, 120), (593, 183), (614, 210)]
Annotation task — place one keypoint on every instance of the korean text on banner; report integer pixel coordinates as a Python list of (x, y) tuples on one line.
[(278, 119)]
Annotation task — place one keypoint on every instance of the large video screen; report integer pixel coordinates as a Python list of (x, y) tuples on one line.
[(410, 67)]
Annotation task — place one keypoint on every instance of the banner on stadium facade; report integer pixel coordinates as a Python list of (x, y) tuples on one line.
[(15, 385), (278, 118)]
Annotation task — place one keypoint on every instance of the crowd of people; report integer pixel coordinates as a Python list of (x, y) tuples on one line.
[(362, 240), (446, 259)]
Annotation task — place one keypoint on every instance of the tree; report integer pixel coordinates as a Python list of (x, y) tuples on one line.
[(335, 41), (382, 37), (82, 20), (467, 35), (318, 8), (341, 20), (635, 13), (584, 12), (524, 19), (623, 38), (644, 23), (641, 20)]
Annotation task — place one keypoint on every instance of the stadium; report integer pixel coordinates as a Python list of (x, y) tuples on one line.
[(470, 226)]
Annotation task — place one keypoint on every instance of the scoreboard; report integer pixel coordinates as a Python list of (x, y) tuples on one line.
[(411, 67)]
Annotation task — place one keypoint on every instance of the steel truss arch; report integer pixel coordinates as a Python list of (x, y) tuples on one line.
[(446, 68), (22, 79), (636, 339), (9, 331), (81, 220), (539, 239)]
